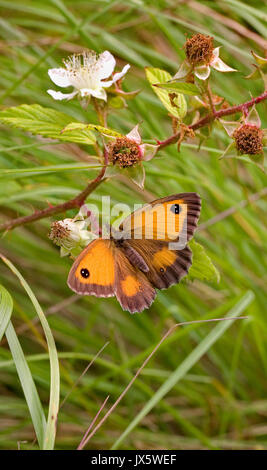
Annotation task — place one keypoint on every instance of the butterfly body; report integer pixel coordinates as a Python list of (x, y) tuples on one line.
[(140, 261)]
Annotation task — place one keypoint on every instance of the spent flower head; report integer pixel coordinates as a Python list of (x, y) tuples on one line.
[(200, 56), (125, 155), (248, 137), (87, 73)]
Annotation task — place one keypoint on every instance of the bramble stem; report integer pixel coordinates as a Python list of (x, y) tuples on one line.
[(79, 200), (212, 116)]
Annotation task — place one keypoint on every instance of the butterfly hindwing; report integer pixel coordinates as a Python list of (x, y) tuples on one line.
[(166, 267), (132, 288)]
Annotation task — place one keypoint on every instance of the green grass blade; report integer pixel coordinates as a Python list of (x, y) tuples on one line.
[(28, 385), (50, 432), (6, 307), (24, 373), (187, 364)]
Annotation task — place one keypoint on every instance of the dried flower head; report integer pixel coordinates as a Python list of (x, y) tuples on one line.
[(58, 232), (248, 139), (124, 152), (199, 49), (200, 56), (87, 73)]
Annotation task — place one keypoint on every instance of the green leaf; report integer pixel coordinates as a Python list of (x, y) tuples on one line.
[(202, 267), (117, 102), (45, 121), (50, 430), (176, 105), (23, 370), (75, 126), (6, 307), (179, 87)]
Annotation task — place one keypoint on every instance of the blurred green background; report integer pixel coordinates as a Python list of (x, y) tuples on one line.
[(221, 402)]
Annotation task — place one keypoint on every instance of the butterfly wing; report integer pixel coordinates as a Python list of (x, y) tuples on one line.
[(132, 288), (149, 236), (165, 267), (93, 272), (164, 219), (103, 270)]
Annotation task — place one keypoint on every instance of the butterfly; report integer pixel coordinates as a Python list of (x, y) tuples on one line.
[(140, 260)]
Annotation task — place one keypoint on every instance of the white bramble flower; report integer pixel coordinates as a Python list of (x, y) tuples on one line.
[(200, 57), (126, 154), (71, 235), (87, 73)]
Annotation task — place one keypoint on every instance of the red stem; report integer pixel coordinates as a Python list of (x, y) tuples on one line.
[(78, 201), (211, 117)]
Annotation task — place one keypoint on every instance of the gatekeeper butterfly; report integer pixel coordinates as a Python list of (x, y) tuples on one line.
[(140, 260)]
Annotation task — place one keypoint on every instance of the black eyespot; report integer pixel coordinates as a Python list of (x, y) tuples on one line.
[(176, 209), (85, 273), (161, 270)]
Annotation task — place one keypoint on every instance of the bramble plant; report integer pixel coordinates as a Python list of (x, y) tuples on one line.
[(106, 106), (189, 100)]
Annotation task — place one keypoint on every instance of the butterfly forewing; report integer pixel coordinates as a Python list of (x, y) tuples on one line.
[(164, 219), (93, 272)]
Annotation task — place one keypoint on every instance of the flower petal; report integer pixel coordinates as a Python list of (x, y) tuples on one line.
[(183, 70), (57, 95), (137, 174), (216, 52), (106, 64), (118, 75), (60, 77), (134, 135), (148, 151), (219, 65), (253, 117), (202, 72), (97, 93)]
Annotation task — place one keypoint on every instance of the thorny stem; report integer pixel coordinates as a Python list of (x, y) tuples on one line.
[(210, 97), (79, 200), (212, 117)]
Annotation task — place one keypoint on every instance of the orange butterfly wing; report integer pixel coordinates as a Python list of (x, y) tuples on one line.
[(103, 270), (165, 267), (93, 272), (164, 219), (162, 266), (132, 269), (132, 288)]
